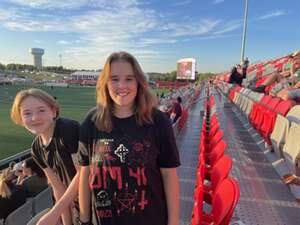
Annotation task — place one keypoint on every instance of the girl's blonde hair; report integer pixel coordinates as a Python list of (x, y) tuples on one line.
[(144, 101), (15, 113), (5, 191)]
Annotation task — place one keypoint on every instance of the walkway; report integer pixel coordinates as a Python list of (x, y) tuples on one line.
[(265, 200)]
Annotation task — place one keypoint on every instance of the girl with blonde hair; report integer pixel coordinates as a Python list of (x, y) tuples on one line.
[(11, 196), (56, 141)]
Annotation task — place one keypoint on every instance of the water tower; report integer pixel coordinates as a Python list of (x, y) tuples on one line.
[(37, 56)]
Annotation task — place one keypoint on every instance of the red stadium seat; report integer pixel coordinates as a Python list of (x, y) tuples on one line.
[(223, 203), (216, 153), (219, 172), (215, 139)]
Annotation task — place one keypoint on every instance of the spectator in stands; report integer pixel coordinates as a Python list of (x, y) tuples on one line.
[(293, 90), (11, 195), (284, 81), (35, 180), (245, 64), (164, 109), (236, 77), (127, 150), (56, 143), (177, 110), (18, 171)]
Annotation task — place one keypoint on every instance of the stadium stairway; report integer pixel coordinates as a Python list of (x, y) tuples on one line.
[(264, 199), (188, 142)]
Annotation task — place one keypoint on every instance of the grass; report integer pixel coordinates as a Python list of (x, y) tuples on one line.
[(74, 102)]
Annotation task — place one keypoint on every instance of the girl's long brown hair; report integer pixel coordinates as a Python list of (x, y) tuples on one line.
[(144, 101)]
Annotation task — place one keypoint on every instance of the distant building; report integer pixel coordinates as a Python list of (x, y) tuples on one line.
[(37, 57), (85, 75)]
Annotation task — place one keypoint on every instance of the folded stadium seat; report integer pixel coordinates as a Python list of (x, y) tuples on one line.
[(219, 172), (284, 107), (257, 106), (213, 110), (214, 119), (213, 130), (294, 114), (227, 219), (238, 98), (224, 202), (215, 154), (255, 96), (237, 95), (200, 173), (231, 94), (215, 140), (265, 110), (291, 149), (198, 205), (244, 103), (21, 215), (279, 135), (268, 119)]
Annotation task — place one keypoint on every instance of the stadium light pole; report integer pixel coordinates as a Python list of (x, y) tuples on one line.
[(244, 30)]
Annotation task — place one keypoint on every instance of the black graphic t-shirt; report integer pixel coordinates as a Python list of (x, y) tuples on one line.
[(125, 179), (57, 155)]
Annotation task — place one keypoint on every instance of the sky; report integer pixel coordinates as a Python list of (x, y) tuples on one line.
[(156, 32)]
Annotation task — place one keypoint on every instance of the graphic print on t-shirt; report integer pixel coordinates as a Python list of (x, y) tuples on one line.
[(118, 177)]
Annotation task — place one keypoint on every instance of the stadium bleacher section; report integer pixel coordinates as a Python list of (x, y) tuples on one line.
[(274, 119)]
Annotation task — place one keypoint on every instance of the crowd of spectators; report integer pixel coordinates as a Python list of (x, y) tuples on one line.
[(17, 183), (284, 83)]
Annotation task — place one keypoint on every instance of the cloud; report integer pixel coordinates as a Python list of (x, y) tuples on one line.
[(100, 27), (218, 1), (271, 15), (229, 26), (181, 3), (189, 28), (72, 4), (50, 4), (63, 42)]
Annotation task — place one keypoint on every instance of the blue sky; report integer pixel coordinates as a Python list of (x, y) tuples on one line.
[(157, 32)]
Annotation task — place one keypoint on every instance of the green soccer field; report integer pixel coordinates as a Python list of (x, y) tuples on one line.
[(74, 103)]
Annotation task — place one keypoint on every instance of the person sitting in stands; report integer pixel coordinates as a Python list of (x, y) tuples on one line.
[(283, 79), (177, 110), (236, 77), (293, 90), (18, 172), (11, 196), (35, 180), (245, 64)]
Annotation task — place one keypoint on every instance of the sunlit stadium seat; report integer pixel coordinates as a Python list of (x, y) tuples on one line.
[(291, 148), (294, 114), (219, 172), (279, 134), (223, 203)]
